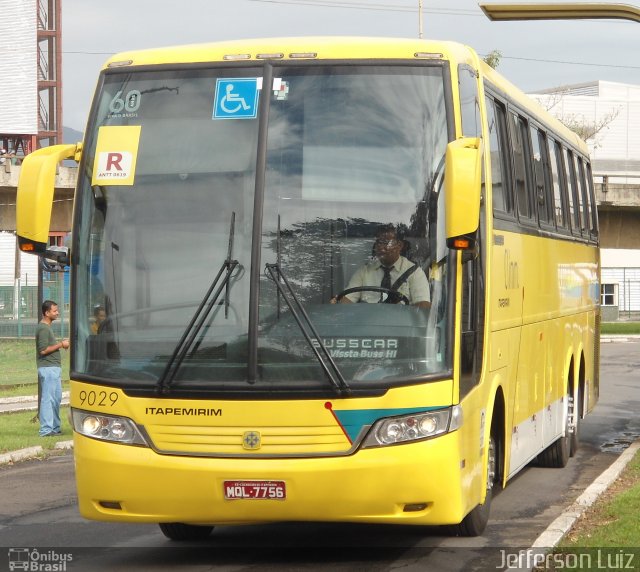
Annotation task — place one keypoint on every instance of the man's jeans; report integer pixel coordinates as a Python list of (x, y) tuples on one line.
[(50, 379)]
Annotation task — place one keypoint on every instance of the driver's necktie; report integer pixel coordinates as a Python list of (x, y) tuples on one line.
[(386, 279)]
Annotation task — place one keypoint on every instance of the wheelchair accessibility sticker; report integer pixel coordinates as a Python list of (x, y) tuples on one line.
[(236, 98)]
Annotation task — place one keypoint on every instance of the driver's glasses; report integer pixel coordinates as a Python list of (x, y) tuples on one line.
[(386, 243)]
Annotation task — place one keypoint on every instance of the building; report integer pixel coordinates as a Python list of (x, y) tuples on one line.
[(611, 111), (30, 117), (19, 272), (30, 75)]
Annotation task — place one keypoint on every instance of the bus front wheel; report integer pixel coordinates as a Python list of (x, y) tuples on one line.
[(476, 521), (181, 532)]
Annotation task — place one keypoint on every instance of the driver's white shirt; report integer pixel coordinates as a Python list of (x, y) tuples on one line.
[(416, 287)]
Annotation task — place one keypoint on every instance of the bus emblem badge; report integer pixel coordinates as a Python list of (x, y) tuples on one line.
[(251, 440)]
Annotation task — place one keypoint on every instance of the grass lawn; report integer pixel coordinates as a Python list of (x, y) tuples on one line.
[(607, 536), (628, 328), (18, 375), (613, 520), (17, 431)]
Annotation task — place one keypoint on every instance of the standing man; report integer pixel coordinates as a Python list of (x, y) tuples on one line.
[(49, 364)]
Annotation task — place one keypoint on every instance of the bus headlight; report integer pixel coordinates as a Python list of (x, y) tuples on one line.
[(414, 427), (111, 428)]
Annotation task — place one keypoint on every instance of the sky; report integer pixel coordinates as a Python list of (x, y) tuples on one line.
[(535, 55)]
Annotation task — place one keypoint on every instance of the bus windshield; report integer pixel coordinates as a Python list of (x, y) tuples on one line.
[(178, 180)]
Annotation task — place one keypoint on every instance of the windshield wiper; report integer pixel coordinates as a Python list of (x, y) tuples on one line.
[(304, 323), (200, 316)]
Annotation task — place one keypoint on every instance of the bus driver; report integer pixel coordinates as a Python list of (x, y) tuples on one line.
[(389, 270)]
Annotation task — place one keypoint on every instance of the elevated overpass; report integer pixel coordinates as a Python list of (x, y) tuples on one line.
[(618, 198), (63, 198)]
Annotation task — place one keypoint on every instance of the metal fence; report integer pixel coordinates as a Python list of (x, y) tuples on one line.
[(621, 294), (20, 306)]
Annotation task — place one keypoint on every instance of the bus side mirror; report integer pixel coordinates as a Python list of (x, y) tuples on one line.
[(55, 259), (463, 174), (35, 197)]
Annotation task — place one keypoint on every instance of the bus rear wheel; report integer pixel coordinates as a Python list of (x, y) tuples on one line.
[(575, 413), (181, 532), (556, 455), (476, 521)]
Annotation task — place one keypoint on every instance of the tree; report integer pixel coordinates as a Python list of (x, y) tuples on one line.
[(493, 58), (586, 128)]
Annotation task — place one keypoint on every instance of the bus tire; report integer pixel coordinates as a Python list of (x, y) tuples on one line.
[(476, 521), (180, 532), (556, 455), (575, 408)]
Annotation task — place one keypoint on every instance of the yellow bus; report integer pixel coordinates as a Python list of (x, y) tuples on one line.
[(231, 196)]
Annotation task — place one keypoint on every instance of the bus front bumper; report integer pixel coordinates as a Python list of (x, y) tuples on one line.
[(416, 483)]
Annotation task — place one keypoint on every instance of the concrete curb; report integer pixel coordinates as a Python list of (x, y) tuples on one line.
[(31, 452), (25, 403), (622, 338), (20, 455), (556, 531), (25, 398), (559, 527), (19, 399)]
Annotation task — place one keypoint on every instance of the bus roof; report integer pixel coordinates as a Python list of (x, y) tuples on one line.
[(337, 48), (322, 48)]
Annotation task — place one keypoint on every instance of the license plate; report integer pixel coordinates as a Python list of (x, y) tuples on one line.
[(269, 490)]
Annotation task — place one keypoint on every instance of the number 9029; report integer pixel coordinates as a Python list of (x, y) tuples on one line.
[(98, 398)]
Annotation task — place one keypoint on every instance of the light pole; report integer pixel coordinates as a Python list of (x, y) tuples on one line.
[(420, 19), (560, 11)]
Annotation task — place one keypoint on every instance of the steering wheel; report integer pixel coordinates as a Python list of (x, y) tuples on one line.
[(393, 296)]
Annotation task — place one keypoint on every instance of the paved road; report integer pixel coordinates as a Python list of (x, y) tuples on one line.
[(38, 508)]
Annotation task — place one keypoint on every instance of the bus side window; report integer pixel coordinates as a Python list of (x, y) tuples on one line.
[(469, 104), (574, 207), (472, 323), (500, 188), (592, 202), (555, 165), (541, 173), (580, 198), (521, 167), (584, 199)]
